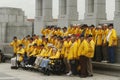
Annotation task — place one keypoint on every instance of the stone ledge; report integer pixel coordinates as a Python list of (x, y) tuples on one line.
[(107, 68), (115, 66)]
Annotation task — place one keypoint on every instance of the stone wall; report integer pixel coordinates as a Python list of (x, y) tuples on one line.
[(13, 22), (17, 29)]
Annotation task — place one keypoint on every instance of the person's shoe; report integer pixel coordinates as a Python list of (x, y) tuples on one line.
[(104, 61), (36, 67), (68, 74), (83, 76), (90, 75)]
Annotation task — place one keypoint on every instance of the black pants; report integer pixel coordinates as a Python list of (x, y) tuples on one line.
[(31, 60), (105, 52), (83, 63), (98, 53), (74, 65)]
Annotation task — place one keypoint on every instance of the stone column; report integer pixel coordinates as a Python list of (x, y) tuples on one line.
[(117, 16), (100, 9), (62, 8), (62, 13), (38, 8), (47, 10), (95, 11), (67, 12), (89, 6), (72, 13), (43, 14), (38, 16)]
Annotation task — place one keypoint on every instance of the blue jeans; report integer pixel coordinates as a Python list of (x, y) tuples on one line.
[(111, 54)]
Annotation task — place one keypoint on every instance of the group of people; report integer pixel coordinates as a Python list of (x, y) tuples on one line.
[(77, 45)]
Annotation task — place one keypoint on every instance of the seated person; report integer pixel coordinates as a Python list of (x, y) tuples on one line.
[(32, 55), (19, 56), (40, 55), (46, 55)]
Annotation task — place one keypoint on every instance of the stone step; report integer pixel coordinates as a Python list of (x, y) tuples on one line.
[(107, 68)]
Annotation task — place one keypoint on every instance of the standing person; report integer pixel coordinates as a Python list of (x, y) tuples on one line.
[(112, 43), (105, 43), (15, 43), (73, 56), (67, 44), (83, 49), (90, 55), (98, 41)]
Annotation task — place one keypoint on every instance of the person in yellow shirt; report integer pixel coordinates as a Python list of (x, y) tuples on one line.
[(84, 30), (112, 43), (48, 51), (15, 43), (73, 57), (29, 48), (16, 61), (90, 54), (64, 32), (26, 41), (98, 41), (32, 56), (38, 41), (92, 27), (83, 50), (20, 55), (40, 56), (66, 47), (56, 54), (105, 43)]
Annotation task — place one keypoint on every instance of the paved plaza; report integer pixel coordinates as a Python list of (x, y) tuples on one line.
[(7, 74)]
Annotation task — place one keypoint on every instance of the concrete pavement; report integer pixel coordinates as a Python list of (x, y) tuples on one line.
[(7, 74)]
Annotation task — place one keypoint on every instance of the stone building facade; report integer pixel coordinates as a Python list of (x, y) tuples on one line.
[(13, 22)]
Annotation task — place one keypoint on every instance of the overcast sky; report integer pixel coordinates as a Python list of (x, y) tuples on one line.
[(29, 7)]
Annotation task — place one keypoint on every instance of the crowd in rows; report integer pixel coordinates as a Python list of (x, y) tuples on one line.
[(77, 45)]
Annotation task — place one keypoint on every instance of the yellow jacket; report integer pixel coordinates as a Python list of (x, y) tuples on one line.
[(15, 45), (56, 56), (113, 38), (41, 53), (20, 52), (87, 32), (91, 49), (93, 33), (98, 37), (73, 51), (38, 41), (34, 52), (67, 46), (65, 33), (105, 32), (26, 44), (48, 53), (83, 49)]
